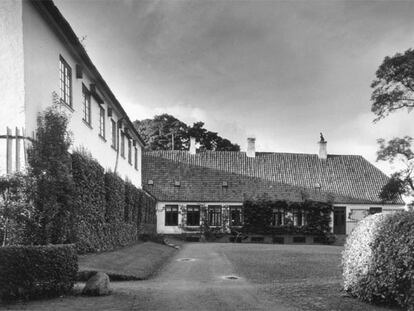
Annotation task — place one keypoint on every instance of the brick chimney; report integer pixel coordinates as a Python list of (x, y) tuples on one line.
[(193, 145), (323, 153), (251, 147)]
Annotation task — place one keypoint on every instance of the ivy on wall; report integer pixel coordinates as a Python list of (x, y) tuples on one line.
[(258, 216)]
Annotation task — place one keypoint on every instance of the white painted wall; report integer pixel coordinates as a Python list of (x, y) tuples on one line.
[(11, 72), (355, 212), (30, 59)]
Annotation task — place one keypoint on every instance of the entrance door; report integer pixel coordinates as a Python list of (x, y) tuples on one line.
[(339, 220)]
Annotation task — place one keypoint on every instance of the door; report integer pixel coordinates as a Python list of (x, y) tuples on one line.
[(339, 220)]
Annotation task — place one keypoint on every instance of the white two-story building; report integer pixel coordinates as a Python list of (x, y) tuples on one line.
[(41, 58)]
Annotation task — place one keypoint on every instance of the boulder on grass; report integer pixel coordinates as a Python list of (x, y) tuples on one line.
[(97, 285)]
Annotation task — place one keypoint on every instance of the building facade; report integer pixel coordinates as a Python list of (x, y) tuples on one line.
[(187, 184), (43, 62)]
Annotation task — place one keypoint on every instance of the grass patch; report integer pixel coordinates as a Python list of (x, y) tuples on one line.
[(137, 262)]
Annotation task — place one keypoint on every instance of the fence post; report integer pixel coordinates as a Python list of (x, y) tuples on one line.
[(9, 151), (17, 150)]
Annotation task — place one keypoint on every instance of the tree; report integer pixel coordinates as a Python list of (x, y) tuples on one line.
[(393, 90), (397, 150), (160, 132), (52, 191), (394, 85)]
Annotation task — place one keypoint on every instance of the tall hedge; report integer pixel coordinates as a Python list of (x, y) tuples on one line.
[(109, 212), (37, 271), (378, 259)]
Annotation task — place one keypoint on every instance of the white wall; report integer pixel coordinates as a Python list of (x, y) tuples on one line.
[(355, 212), (42, 48), (11, 72)]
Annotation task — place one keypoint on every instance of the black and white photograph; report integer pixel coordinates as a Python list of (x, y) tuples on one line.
[(205, 155)]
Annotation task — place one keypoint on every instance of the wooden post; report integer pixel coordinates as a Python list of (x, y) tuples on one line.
[(17, 150), (9, 151), (24, 146)]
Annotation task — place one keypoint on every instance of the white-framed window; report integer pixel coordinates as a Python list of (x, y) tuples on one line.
[(193, 215), (86, 99), (214, 215), (123, 145), (65, 75), (113, 134), (171, 215), (136, 158), (129, 151), (278, 217), (236, 215), (102, 122)]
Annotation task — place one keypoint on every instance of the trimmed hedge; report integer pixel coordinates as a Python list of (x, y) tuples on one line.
[(37, 271), (378, 260), (109, 212)]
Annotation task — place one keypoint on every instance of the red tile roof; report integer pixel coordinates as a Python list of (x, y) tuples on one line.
[(290, 176)]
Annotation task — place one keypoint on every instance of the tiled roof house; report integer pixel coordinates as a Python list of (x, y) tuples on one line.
[(226, 178)]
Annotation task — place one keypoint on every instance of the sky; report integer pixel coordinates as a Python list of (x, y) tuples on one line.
[(280, 71)]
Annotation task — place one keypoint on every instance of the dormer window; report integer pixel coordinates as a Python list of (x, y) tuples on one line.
[(224, 184), (177, 183), (150, 182)]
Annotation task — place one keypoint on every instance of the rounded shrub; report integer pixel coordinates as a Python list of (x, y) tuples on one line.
[(378, 259)]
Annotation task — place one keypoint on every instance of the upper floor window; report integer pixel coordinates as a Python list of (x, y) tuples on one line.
[(65, 73), (123, 145), (136, 158), (129, 152), (114, 134), (86, 105), (102, 122)]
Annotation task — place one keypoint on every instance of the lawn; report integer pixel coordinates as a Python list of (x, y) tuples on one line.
[(137, 262), (307, 277)]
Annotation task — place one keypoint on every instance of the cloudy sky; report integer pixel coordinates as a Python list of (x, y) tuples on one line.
[(282, 71)]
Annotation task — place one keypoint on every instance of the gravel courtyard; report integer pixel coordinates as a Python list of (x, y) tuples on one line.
[(259, 277)]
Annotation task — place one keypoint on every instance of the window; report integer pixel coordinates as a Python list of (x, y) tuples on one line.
[(129, 152), (214, 215), (114, 134), (171, 215), (297, 217), (86, 105), (123, 145), (236, 216), (193, 215), (65, 73), (136, 158), (102, 122), (278, 217), (375, 210)]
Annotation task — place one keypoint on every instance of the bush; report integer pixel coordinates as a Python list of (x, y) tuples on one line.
[(37, 271), (115, 198), (378, 261)]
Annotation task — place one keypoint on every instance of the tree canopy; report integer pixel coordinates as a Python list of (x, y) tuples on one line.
[(165, 132), (394, 85)]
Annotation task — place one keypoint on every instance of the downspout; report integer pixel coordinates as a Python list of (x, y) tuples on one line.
[(117, 142)]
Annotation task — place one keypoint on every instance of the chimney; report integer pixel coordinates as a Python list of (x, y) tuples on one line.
[(323, 154), (192, 145), (251, 147)]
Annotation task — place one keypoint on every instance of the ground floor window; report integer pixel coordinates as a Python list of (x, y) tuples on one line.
[(375, 210), (171, 215), (214, 215), (298, 218), (193, 215), (236, 216), (278, 217)]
